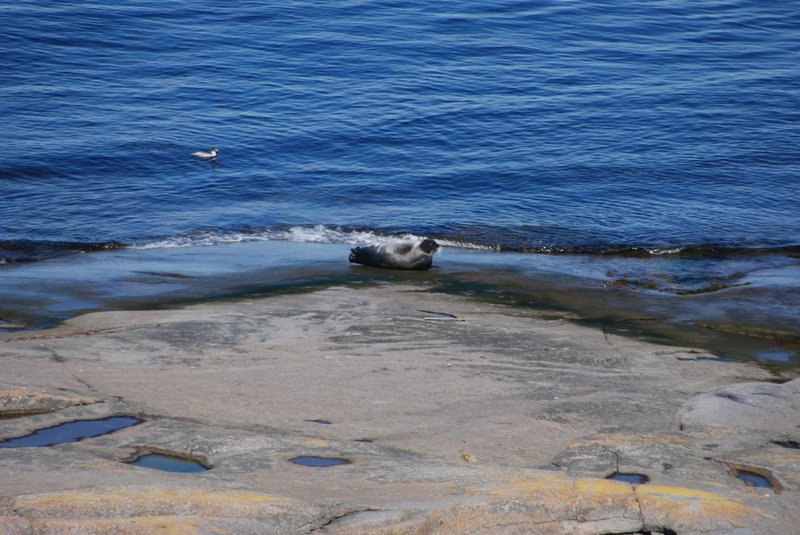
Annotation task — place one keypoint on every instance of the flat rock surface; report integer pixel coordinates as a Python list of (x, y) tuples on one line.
[(456, 416)]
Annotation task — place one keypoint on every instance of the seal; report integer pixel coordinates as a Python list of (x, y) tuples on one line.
[(399, 254)]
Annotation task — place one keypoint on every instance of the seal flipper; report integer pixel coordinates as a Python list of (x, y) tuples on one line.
[(367, 255)]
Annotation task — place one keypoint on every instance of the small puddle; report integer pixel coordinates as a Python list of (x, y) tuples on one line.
[(71, 432), (754, 476), (791, 444), (169, 463), (319, 462), (320, 421), (629, 477), (775, 355), (751, 479)]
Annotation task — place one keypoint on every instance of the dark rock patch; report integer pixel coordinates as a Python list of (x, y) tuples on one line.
[(320, 421), (791, 444)]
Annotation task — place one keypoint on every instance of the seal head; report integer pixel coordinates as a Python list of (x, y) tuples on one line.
[(400, 254)]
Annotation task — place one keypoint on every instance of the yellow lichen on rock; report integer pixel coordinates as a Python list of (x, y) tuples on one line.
[(127, 526), (548, 502), (683, 507), (608, 487), (551, 482), (148, 502), (556, 503), (316, 443)]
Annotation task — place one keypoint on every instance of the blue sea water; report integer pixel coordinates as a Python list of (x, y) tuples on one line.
[(506, 124), (632, 129)]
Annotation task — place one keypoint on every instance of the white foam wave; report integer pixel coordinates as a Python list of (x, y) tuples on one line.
[(466, 245), (197, 239), (313, 234), (323, 234), (665, 252)]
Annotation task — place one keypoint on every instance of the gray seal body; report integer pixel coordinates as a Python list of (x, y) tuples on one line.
[(401, 254)]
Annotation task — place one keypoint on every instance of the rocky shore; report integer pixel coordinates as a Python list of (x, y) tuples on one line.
[(440, 414)]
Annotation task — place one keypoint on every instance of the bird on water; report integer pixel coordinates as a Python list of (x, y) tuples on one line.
[(206, 155)]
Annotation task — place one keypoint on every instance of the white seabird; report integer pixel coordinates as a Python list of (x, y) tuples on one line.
[(206, 154)]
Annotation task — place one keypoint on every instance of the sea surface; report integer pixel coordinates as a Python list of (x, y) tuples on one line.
[(569, 149)]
